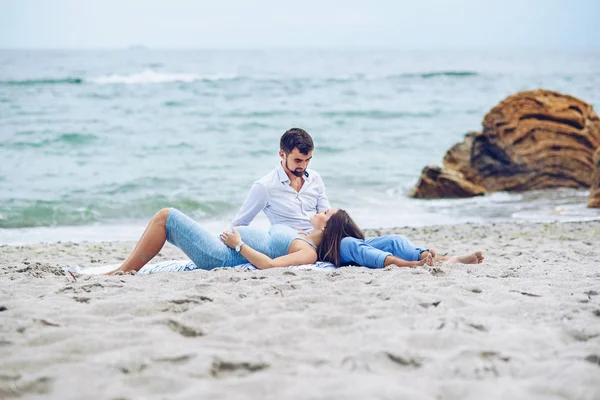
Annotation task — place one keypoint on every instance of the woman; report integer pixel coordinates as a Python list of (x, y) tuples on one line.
[(341, 231), (281, 246)]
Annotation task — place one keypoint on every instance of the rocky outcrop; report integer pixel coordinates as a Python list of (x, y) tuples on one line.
[(594, 200), (531, 140), (437, 182)]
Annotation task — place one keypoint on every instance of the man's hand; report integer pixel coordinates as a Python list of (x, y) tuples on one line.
[(231, 239)]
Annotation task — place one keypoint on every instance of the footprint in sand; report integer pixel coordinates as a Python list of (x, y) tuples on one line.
[(182, 305), (222, 369), (133, 368), (88, 287), (175, 360), (403, 361), (594, 359), (184, 330), (38, 386)]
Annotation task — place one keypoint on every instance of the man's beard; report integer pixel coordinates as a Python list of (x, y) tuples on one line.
[(296, 173)]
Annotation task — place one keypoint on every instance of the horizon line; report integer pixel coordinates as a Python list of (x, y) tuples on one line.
[(142, 47)]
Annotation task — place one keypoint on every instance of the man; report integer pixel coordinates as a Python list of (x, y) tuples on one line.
[(292, 193)]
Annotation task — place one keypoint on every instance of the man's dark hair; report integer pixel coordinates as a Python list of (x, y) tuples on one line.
[(296, 138)]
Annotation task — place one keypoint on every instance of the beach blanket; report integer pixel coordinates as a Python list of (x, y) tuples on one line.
[(185, 265)]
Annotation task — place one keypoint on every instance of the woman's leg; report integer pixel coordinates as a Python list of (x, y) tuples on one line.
[(152, 241), (403, 248), (471, 258), (399, 246)]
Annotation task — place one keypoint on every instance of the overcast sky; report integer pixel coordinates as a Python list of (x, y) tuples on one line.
[(280, 23)]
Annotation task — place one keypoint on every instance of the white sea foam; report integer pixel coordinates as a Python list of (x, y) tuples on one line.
[(123, 232), (150, 76)]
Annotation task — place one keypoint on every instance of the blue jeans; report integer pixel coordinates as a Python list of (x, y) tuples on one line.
[(207, 251), (372, 252)]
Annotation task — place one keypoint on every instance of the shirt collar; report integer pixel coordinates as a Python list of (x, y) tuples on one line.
[(283, 176)]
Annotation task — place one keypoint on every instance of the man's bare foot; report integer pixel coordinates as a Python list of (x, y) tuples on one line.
[(473, 258)]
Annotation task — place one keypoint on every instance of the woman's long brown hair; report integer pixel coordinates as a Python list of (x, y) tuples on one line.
[(339, 226)]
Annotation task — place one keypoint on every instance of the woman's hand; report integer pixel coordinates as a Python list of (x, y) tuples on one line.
[(231, 239)]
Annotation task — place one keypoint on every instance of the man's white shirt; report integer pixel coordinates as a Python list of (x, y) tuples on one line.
[(281, 203)]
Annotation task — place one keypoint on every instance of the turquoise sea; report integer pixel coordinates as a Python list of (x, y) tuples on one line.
[(93, 143)]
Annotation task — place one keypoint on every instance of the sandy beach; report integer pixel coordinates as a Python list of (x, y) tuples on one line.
[(525, 324)]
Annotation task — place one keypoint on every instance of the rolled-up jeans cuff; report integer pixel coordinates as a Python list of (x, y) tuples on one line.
[(380, 262)]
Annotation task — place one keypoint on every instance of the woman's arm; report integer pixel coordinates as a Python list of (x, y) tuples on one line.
[(262, 261)]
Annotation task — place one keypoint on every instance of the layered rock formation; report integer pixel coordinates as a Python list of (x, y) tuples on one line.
[(595, 191), (531, 140)]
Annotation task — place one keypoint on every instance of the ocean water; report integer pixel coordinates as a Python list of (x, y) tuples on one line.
[(93, 143)]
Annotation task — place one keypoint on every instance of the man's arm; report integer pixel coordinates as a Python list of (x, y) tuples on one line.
[(322, 200), (256, 200)]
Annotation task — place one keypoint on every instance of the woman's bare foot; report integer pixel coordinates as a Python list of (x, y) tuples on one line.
[(473, 258), (480, 256), (430, 260), (114, 272), (427, 258), (433, 257)]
